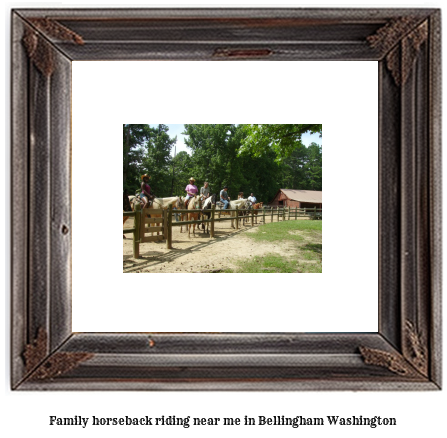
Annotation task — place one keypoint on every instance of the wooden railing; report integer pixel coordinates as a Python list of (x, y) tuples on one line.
[(135, 230), (141, 220)]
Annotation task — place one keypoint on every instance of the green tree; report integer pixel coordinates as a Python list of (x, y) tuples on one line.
[(263, 176), (282, 139), (147, 150), (182, 171), (134, 140), (216, 157), (313, 167), (303, 169), (213, 152), (157, 160)]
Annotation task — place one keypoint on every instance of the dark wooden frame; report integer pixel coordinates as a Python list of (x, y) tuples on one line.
[(405, 354)]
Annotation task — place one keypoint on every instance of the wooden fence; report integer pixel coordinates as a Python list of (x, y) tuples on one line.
[(164, 222), (144, 224)]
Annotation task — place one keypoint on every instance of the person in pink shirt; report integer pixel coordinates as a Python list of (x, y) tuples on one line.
[(191, 189), (145, 194)]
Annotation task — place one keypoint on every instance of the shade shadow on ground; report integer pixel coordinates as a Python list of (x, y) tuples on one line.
[(153, 259)]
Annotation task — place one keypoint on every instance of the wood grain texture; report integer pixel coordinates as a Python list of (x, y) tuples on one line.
[(390, 234), (435, 196), (39, 190), (405, 354), (60, 207), (19, 210)]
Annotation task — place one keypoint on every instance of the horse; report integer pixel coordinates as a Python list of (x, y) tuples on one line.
[(194, 204), (127, 207), (232, 206), (129, 202), (244, 214), (162, 203), (207, 204), (133, 200), (256, 207), (182, 206)]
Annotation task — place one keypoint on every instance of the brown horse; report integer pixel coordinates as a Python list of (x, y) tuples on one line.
[(257, 207), (194, 205), (182, 206)]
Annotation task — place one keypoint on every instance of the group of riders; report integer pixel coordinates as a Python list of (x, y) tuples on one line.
[(191, 189)]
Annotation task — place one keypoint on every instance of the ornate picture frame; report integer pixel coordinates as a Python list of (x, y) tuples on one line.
[(405, 353)]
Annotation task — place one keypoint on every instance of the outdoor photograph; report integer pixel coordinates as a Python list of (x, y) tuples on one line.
[(222, 198)]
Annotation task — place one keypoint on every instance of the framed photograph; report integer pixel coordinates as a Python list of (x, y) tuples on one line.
[(157, 165), (405, 352)]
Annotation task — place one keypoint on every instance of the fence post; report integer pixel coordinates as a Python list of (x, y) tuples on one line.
[(288, 211), (252, 216), (143, 225), (304, 211), (277, 211), (296, 210), (169, 229), (136, 233), (315, 212), (213, 208), (263, 215), (237, 217), (272, 214)]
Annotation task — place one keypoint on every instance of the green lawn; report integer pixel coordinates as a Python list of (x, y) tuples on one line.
[(305, 238)]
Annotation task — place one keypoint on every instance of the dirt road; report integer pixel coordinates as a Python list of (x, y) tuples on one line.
[(198, 253)]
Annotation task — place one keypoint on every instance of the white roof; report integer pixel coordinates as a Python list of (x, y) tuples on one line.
[(311, 196)]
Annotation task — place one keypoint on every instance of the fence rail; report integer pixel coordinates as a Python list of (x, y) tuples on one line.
[(164, 222)]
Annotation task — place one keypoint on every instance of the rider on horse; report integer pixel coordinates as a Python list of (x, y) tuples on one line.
[(224, 198), (205, 191), (146, 194), (191, 190), (252, 198)]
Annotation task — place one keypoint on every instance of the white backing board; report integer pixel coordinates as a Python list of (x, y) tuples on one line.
[(343, 96)]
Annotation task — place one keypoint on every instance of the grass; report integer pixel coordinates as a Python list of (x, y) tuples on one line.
[(287, 230), (304, 236), (270, 263)]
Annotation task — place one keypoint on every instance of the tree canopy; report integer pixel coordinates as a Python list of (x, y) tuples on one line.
[(249, 158), (134, 139), (281, 139)]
